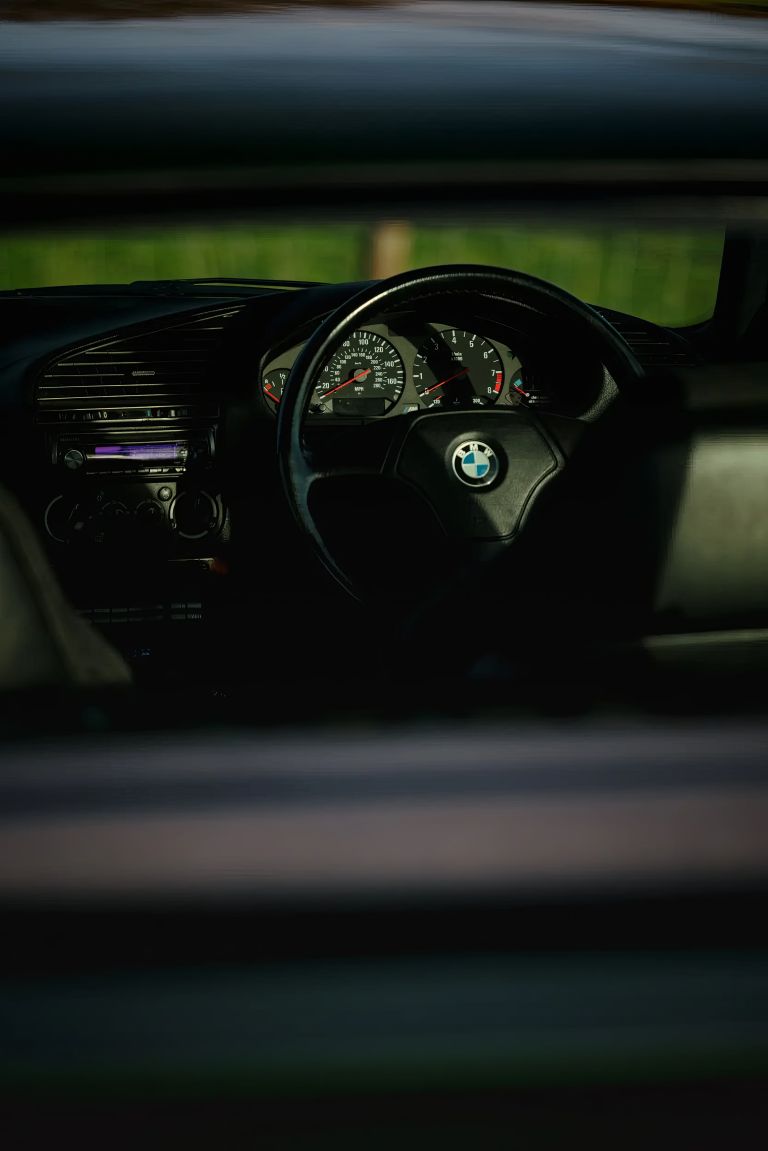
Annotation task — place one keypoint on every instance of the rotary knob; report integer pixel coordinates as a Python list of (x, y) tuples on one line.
[(114, 510), (194, 514), (63, 519), (73, 459), (149, 515), (107, 525)]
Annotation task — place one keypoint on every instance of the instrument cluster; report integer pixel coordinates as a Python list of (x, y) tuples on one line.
[(383, 370)]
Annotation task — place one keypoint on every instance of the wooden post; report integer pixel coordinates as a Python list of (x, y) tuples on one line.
[(390, 248)]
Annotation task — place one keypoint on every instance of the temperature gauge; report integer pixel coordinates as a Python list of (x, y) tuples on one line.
[(523, 390)]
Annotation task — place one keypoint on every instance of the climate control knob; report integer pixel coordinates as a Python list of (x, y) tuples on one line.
[(194, 514), (63, 518), (149, 514), (114, 510)]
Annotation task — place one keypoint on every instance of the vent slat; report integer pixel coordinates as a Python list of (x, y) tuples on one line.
[(107, 387), (159, 372), (118, 390), (138, 357), (143, 396)]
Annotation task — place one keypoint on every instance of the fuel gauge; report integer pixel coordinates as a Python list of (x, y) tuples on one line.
[(273, 382)]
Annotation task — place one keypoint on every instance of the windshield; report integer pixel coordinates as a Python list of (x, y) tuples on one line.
[(667, 276)]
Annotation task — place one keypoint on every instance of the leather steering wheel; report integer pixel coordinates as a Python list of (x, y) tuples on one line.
[(480, 469)]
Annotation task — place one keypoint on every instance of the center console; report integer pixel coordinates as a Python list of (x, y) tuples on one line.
[(118, 488), (138, 531)]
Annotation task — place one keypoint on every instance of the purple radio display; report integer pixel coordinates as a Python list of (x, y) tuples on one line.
[(147, 453)]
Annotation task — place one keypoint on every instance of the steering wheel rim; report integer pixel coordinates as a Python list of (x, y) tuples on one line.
[(498, 285)]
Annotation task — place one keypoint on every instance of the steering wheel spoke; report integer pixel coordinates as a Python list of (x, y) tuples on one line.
[(361, 451), (566, 432)]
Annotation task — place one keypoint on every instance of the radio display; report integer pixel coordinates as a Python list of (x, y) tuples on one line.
[(170, 453)]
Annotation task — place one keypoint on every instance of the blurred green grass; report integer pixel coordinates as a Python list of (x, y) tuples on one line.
[(666, 276)]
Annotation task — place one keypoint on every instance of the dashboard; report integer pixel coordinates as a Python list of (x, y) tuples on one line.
[(140, 437)]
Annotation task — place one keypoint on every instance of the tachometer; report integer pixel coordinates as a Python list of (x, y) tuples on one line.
[(365, 377), (455, 369)]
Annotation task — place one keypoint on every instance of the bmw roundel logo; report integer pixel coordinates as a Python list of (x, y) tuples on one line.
[(475, 464)]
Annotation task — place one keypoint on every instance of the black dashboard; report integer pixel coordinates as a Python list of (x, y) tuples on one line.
[(141, 427)]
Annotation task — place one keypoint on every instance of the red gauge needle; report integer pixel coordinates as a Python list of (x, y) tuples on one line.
[(272, 395), (351, 380), (434, 387)]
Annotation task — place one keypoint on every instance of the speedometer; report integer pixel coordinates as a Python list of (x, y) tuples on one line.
[(365, 377), (456, 369)]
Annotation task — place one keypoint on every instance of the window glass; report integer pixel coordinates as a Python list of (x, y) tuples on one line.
[(667, 276)]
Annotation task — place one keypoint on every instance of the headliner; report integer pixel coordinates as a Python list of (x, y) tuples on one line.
[(355, 103)]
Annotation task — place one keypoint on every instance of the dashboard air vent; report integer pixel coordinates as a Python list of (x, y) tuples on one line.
[(117, 377), (653, 346)]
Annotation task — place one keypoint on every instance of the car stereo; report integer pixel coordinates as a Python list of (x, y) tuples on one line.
[(140, 453)]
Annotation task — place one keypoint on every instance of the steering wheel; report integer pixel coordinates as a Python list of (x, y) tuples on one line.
[(480, 470)]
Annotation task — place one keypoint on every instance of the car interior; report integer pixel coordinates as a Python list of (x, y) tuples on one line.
[(383, 657)]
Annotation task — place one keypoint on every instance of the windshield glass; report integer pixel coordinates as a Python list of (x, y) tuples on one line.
[(667, 276)]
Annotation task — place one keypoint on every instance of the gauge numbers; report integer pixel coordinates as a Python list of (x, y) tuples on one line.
[(364, 377), (452, 369), (456, 369)]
